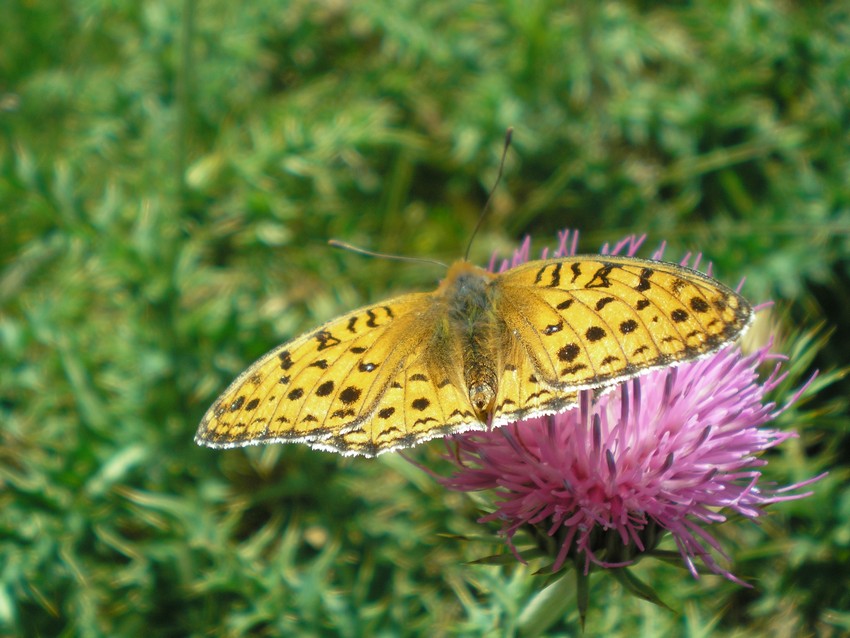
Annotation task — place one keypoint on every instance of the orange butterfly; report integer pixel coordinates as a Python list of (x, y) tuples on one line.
[(481, 351)]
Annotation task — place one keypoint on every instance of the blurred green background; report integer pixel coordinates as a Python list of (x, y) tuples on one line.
[(170, 173)]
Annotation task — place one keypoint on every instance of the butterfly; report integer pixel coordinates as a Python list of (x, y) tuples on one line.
[(482, 350)]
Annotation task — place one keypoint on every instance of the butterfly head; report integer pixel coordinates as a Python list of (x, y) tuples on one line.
[(482, 397), (482, 387)]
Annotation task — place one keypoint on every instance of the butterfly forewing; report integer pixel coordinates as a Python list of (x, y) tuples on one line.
[(588, 322), (320, 383)]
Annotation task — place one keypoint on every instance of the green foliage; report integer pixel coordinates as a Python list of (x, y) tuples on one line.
[(169, 175)]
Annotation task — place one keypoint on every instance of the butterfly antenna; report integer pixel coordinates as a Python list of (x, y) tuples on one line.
[(362, 251), (508, 135)]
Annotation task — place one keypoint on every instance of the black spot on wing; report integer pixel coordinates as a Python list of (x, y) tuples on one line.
[(325, 389), (285, 360), (556, 276), (698, 304), (389, 432), (539, 277), (326, 340), (603, 302), (643, 283), (569, 352), (350, 394), (537, 395), (424, 421), (565, 304), (679, 315), (573, 369), (630, 325), (595, 333), (600, 278), (553, 328)]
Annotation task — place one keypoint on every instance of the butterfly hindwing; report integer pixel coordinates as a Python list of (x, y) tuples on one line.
[(424, 400), (523, 392)]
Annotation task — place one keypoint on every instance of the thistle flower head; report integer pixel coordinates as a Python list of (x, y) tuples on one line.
[(672, 452)]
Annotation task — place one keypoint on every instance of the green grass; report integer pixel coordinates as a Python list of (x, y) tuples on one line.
[(169, 177)]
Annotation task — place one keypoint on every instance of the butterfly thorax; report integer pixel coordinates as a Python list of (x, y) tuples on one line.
[(468, 302)]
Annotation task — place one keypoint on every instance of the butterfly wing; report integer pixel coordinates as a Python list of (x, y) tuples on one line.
[(522, 391), (315, 385), (590, 322), (376, 379), (425, 399)]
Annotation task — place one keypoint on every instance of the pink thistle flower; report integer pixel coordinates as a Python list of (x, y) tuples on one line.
[(671, 452)]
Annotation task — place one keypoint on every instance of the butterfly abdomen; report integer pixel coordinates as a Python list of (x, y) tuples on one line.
[(469, 307)]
